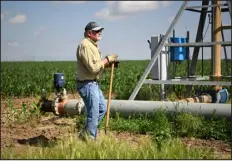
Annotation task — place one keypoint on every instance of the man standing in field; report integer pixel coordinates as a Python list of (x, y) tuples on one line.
[(89, 69)]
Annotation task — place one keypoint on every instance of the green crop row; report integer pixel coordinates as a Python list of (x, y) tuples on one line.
[(23, 79)]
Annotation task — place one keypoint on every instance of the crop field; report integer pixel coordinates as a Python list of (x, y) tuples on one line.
[(24, 79), (28, 134)]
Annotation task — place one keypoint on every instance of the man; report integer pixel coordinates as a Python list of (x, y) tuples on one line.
[(89, 69)]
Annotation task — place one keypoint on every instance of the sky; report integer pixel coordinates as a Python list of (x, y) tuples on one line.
[(52, 30)]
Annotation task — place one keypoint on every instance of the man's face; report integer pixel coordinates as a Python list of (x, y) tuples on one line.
[(95, 35)]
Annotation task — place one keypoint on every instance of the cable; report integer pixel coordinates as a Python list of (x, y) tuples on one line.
[(203, 40), (207, 27)]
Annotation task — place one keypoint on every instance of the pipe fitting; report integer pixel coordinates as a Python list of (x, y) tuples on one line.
[(60, 106)]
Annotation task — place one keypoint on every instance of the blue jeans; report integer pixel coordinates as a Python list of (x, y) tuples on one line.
[(95, 105)]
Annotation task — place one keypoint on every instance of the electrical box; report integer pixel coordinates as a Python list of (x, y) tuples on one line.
[(178, 53), (160, 69)]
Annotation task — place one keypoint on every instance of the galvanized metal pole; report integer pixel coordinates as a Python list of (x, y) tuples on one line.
[(205, 44), (212, 38), (187, 50), (225, 53), (198, 39), (229, 7)]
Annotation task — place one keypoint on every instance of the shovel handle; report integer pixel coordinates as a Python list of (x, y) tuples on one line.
[(109, 98)]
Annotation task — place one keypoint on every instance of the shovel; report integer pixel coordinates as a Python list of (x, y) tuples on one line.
[(109, 98)]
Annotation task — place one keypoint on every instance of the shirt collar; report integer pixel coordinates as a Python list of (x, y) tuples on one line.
[(94, 43)]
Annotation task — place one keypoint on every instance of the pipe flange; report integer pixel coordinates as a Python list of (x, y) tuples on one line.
[(55, 108)]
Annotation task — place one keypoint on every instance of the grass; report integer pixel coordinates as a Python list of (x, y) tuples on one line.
[(108, 147)]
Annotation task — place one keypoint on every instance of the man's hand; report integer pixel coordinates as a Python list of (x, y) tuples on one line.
[(112, 58), (116, 64)]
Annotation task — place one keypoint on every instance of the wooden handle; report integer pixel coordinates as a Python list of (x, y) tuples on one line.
[(109, 98)]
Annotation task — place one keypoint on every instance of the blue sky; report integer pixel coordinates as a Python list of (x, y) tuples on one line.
[(50, 30)]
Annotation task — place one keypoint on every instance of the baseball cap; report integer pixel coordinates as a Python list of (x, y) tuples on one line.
[(93, 26)]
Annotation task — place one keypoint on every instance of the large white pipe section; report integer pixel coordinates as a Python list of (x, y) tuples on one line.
[(127, 107)]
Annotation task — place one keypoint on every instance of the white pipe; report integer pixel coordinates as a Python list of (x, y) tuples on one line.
[(74, 106), (127, 107), (163, 64), (163, 70)]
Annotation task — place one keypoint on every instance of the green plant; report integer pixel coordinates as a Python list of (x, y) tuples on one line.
[(23, 114), (162, 125), (10, 112), (80, 122), (188, 124), (217, 128), (162, 130), (17, 81)]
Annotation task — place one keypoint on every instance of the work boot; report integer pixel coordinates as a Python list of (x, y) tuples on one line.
[(85, 137), (97, 133)]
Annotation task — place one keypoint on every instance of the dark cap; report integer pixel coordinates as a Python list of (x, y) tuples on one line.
[(93, 26)]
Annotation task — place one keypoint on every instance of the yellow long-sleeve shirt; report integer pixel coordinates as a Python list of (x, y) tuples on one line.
[(89, 60)]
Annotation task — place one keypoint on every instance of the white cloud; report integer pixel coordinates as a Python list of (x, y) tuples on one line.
[(166, 3), (20, 18), (120, 9), (39, 31), (69, 2), (13, 44)]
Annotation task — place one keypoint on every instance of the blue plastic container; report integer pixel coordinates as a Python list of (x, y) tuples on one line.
[(223, 96), (59, 80), (178, 53)]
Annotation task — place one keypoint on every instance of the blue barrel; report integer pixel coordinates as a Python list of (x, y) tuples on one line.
[(59, 80), (223, 96), (178, 53)]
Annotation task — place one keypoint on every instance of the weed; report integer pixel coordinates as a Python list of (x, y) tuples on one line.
[(188, 125), (216, 128), (162, 129), (23, 114)]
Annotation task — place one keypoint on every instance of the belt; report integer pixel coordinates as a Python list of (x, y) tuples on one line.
[(83, 81)]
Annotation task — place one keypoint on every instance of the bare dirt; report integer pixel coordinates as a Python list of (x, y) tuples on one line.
[(50, 128)]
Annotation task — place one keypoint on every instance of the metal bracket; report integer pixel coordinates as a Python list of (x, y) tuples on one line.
[(188, 82)]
